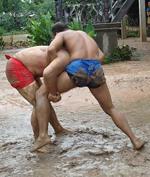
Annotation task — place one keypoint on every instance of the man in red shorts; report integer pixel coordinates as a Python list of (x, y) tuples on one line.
[(23, 71)]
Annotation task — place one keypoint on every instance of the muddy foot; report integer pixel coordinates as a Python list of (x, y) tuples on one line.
[(64, 132), (40, 142), (138, 144), (44, 149)]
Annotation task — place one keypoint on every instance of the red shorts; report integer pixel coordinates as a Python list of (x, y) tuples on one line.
[(18, 74)]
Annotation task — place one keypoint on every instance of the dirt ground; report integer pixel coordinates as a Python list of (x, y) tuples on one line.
[(96, 148)]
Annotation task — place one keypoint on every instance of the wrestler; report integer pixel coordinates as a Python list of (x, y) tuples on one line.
[(23, 71), (84, 69)]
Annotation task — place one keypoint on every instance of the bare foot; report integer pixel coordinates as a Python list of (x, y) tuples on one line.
[(138, 144), (40, 142), (59, 130), (63, 132), (44, 149)]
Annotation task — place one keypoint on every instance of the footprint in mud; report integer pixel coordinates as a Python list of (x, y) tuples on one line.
[(8, 145), (5, 169), (93, 132), (65, 132), (91, 142)]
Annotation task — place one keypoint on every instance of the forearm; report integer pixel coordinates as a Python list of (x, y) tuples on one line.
[(50, 80), (52, 71)]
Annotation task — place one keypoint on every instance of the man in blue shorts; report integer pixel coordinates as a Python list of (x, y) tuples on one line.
[(84, 69)]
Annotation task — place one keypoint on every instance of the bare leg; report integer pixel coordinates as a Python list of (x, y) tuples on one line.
[(54, 121), (102, 95), (29, 91), (64, 83), (29, 94), (42, 112), (34, 124)]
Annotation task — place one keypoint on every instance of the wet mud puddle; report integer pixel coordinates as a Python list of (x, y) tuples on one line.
[(95, 147)]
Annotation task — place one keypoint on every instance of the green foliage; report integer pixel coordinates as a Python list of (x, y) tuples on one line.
[(14, 14), (2, 43), (133, 34), (88, 28), (40, 30), (1, 6), (107, 60), (69, 2), (38, 7), (75, 25), (122, 53)]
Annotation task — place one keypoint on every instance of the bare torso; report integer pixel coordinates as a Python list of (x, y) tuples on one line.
[(35, 58), (80, 45)]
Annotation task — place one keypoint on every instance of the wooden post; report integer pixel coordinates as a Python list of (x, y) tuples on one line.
[(142, 17), (124, 27)]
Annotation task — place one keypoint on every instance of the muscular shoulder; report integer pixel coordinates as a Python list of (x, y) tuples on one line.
[(60, 35)]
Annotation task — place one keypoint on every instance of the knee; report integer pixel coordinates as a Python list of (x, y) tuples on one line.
[(109, 110)]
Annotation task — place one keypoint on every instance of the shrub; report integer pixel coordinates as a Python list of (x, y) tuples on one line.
[(88, 28), (40, 30), (75, 25), (2, 43), (122, 53), (133, 34)]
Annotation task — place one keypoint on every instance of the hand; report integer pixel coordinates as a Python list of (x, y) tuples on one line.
[(54, 98)]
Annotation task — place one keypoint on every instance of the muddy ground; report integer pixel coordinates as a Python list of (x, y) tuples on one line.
[(96, 148)]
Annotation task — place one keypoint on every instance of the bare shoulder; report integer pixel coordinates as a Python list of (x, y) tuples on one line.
[(82, 32), (68, 32), (60, 34)]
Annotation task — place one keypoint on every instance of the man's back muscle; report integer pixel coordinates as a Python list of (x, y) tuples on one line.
[(80, 45)]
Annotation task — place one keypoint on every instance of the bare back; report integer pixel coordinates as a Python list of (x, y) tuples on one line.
[(34, 58), (80, 45)]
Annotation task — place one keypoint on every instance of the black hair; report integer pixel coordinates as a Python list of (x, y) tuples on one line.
[(59, 27)]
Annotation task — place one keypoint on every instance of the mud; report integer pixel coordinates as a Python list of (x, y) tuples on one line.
[(95, 148)]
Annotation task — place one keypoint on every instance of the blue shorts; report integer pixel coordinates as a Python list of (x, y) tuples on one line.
[(86, 72)]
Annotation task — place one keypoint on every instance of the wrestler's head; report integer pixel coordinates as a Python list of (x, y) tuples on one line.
[(59, 27)]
